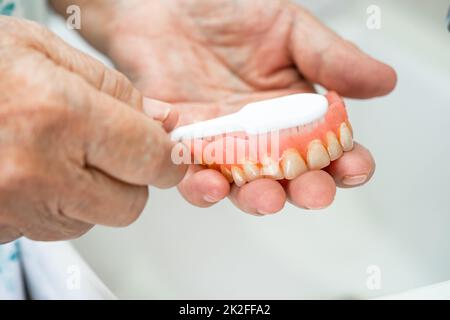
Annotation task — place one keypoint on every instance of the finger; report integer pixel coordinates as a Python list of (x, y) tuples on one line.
[(161, 111), (8, 234), (312, 190), (122, 142), (325, 58), (99, 199), (104, 79), (354, 168), (57, 229), (45, 222), (203, 187), (259, 197), (171, 121)]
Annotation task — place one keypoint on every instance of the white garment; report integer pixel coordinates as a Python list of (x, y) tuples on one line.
[(11, 282), (55, 270)]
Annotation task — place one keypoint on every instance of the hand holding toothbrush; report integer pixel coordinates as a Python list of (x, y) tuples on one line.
[(75, 150)]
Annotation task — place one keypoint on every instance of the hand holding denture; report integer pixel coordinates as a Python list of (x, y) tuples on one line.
[(252, 50)]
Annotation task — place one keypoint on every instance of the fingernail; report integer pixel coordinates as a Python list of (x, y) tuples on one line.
[(265, 212), (211, 198), (354, 180), (258, 214), (156, 109), (314, 208)]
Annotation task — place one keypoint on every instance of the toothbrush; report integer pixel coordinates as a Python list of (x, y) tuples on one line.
[(278, 138)]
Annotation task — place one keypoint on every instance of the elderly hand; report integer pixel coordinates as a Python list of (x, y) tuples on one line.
[(74, 152), (212, 57)]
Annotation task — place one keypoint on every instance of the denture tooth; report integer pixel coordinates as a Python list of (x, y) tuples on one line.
[(251, 170), (226, 173), (271, 169), (317, 156), (345, 137), (238, 176), (293, 164), (334, 148), (349, 125)]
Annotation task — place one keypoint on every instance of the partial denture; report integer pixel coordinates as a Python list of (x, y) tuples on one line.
[(309, 147)]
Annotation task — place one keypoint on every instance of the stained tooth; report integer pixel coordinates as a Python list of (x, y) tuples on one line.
[(271, 169), (349, 125), (251, 170), (214, 166), (293, 164), (333, 146), (226, 173), (238, 176), (345, 137), (317, 155)]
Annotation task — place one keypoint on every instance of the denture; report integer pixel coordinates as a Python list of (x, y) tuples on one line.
[(280, 155)]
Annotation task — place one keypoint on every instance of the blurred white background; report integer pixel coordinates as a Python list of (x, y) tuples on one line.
[(399, 222)]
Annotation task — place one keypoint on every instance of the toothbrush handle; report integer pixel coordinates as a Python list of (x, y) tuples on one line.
[(207, 128)]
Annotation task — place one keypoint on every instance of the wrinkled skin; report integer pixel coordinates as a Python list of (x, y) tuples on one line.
[(211, 57), (74, 150)]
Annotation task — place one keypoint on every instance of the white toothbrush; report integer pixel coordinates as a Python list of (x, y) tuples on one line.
[(260, 117)]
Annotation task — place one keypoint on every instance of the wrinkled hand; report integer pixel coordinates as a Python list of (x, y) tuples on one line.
[(212, 57), (74, 152)]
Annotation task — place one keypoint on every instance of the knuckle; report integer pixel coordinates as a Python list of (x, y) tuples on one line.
[(54, 225), (17, 171), (136, 206), (42, 122), (69, 229), (8, 234), (118, 85), (14, 30)]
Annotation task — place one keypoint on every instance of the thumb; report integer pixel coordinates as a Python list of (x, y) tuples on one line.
[(325, 58), (125, 144)]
